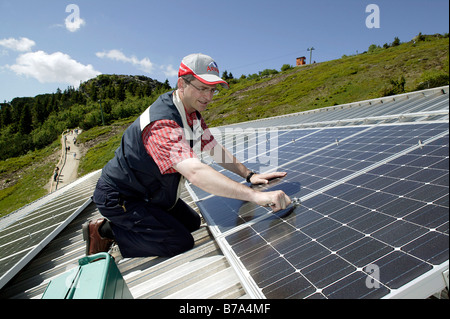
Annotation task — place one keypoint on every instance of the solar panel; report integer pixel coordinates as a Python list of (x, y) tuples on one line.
[(411, 106), (374, 214), (21, 240)]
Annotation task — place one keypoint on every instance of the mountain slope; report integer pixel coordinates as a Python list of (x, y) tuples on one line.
[(341, 81)]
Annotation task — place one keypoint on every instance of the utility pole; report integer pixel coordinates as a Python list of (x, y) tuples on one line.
[(310, 55)]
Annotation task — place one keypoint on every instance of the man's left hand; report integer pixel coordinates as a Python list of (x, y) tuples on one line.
[(265, 178)]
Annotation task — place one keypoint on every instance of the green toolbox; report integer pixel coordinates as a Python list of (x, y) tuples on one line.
[(96, 277)]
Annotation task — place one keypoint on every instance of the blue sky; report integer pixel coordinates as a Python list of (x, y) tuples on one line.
[(45, 45)]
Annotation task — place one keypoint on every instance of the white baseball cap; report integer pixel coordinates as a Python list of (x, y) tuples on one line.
[(203, 68)]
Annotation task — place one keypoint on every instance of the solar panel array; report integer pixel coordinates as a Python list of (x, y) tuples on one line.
[(23, 239), (374, 213), (414, 106)]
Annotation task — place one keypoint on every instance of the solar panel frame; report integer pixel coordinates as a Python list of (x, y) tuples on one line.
[(395, 153)]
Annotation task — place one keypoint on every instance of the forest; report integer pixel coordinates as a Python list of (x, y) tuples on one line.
[(31, 123)]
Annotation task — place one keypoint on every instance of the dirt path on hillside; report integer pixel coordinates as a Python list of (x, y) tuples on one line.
[(67, 168)]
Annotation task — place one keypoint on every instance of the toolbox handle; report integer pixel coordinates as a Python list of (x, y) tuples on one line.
[(89, 259)]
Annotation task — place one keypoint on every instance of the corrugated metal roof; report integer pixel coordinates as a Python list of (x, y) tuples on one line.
[(204, 272), (152, 277)]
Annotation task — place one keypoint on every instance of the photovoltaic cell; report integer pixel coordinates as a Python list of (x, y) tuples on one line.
[(374, 197)]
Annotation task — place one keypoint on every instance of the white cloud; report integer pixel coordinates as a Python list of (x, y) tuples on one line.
[(21, 45), (169, 71), (53, 68), (74, 25), (144, 65)]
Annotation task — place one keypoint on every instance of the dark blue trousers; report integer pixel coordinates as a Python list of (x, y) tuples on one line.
[(141, 229)]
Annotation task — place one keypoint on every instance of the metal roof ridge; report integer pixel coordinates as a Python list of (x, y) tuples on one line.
[(442, 90)]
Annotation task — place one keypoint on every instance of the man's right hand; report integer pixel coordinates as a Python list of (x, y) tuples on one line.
[(278, 200)]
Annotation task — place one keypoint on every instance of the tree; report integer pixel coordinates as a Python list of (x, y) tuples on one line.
[(53, 107), (421, 37), (120, 92), (148, 90), (286, 67), (132, 88), (226, 76), (39, 112), (396, 42), (373, 48), (93, 92), (110, 93), (25, 120), (267, 72), (166, 85), (6, 117)]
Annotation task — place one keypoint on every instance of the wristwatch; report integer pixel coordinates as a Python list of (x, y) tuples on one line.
[(249, 176)]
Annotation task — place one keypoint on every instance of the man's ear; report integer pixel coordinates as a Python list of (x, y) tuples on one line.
[(181, 84)]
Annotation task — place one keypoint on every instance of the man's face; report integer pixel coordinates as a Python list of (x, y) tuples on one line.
[(196, 95)]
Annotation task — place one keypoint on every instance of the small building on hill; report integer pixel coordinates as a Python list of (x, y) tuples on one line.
[(301, 61)]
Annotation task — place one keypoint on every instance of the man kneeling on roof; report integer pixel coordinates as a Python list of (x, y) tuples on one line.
[(138, 191)]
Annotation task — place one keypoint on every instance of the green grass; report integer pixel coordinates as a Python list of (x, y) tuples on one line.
[(99, 155), (28, 189), (93, 133), (32, 171), (17, 163), (361, 77)]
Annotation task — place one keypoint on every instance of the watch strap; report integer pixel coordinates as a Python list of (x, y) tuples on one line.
[(249, 176)]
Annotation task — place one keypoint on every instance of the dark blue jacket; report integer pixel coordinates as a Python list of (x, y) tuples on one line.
[(132, 171)]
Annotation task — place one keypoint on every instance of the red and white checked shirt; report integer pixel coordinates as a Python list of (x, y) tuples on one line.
[(166, 143)]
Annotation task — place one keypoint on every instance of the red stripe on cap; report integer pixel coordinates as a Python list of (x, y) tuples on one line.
[(209, 83), (184, 70)]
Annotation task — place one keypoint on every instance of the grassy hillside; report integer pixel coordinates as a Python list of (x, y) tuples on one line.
[(345, 80), (24, 179), (369, 75)]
